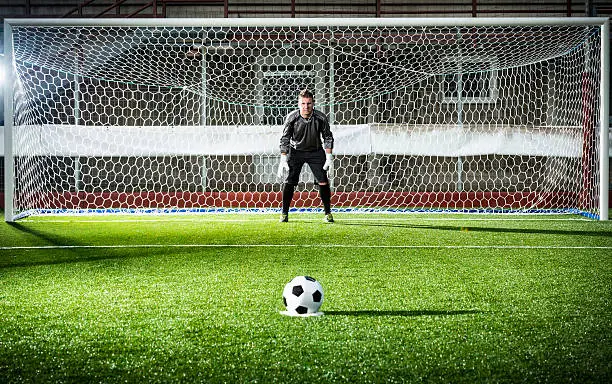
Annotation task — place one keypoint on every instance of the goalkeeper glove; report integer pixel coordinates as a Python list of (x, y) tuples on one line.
[(329, 162), (283, 166)]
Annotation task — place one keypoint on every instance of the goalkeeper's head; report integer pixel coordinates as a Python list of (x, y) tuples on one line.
[(306, 103)]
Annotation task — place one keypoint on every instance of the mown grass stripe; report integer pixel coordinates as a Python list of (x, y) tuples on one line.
[(360, 246)]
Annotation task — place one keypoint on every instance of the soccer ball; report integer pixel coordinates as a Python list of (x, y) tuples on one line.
[(303, 296)]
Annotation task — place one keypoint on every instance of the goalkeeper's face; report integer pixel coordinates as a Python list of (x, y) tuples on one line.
[(306, 106)]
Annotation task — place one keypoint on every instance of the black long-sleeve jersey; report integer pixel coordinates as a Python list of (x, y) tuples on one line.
[(306, 134)]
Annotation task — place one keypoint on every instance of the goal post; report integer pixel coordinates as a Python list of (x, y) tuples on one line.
[(604, 97), (491, 115), (7, 89)]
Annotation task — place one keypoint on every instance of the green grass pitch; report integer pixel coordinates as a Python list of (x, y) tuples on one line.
[(408, 298)]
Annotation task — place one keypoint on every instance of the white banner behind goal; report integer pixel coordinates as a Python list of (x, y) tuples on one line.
[(352, 140), (464, 115)]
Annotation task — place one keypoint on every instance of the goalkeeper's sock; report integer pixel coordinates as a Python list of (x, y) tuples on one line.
[(325, 194), (287, 197)]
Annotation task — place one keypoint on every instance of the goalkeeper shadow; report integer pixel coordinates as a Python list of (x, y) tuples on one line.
[(471, 228)]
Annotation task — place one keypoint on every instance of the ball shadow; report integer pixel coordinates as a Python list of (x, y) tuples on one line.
[(373, 313)]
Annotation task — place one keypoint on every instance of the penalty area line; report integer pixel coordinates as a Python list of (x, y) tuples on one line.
[(356, 246)]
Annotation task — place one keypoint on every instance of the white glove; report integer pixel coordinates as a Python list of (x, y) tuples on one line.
[(282, 166), (329, 162)]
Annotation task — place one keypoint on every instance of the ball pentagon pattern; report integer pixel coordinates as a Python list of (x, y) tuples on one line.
[(302, 296)]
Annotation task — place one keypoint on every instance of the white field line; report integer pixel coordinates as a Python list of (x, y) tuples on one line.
[(128, 246)]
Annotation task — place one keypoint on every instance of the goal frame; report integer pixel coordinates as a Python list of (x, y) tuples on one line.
[(604, 82)]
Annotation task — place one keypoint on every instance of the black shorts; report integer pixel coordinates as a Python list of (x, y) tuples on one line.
[(314, 159)]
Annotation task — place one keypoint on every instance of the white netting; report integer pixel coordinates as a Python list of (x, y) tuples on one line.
[(463, 118)]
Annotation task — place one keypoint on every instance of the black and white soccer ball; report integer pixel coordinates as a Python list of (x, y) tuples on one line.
[(303, 296)]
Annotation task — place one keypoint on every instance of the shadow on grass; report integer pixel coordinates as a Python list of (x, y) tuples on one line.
[(603, 233), (374, 313), (69, 250), (48, 238)]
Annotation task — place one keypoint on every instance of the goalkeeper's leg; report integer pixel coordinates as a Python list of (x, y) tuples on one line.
[(325, 194), (316, 165), (288, 190), (295, 162)]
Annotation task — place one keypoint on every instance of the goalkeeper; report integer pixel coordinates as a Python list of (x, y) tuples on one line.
[(301, 143)]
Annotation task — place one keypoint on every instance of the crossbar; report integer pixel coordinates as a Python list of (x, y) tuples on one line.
[(315, 22)]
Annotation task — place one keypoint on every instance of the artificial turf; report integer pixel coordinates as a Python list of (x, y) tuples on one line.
[(408, 298)]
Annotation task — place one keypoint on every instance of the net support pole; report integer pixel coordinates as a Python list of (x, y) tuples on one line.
[(332, 101), (604, 97), (9, 164), (203, 101), (77, 114)]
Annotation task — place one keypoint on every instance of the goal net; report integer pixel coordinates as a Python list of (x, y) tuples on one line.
[(174, 115)]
